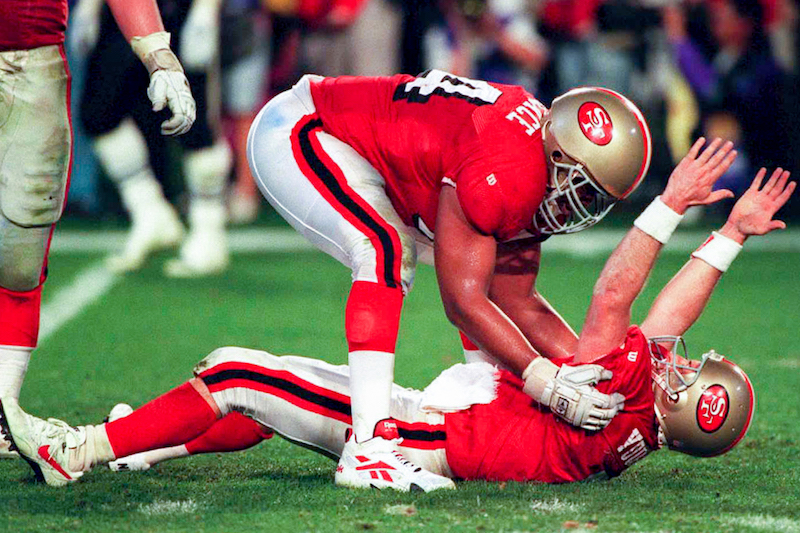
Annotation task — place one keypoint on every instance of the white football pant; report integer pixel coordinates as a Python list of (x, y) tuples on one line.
[(307, 401)]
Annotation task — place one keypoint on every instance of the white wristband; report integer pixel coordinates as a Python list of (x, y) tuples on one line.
[(145, 45), (658, 220), (718, 251)]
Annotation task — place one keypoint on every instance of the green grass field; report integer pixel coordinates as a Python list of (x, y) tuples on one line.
[(146, 332)]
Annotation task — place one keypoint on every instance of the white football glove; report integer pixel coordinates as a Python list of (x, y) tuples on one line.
[(168, 84), (200, 35), (170, 88), (569, 392)]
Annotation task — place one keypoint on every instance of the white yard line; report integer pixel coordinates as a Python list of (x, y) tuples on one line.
[(69, 301), (764, 523), (591, 243)]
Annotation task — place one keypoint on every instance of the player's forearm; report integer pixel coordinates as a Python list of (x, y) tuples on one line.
[(681, 302), (543, 327), (619, 284), (488, 327), (136, 18)]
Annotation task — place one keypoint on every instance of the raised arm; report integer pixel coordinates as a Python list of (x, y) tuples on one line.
[(683, 299), (627, 268)]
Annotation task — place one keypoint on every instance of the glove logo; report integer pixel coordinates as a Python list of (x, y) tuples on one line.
[(595, 123), (562, 406), (712, 409)]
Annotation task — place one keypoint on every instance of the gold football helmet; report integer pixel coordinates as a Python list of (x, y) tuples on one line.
[(598, 147), (703, 408)]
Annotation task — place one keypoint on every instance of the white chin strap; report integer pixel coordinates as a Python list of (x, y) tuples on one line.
[(563, 211)]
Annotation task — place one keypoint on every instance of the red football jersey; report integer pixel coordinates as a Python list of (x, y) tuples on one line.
[(513, 438), (483, 138), (26, 24)]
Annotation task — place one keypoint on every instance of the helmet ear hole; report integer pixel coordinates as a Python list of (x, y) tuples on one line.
[(557, 155)]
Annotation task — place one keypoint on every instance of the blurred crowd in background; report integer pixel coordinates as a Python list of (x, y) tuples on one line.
[(727, 68)]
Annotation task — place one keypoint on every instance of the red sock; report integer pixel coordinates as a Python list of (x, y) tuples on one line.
[(171, 419), (19, 317), (231, 433), (372, 317)]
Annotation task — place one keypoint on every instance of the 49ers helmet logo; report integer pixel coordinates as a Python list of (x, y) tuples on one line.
[(712, 409), (595, 123)]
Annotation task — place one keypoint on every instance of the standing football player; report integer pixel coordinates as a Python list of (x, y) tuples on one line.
[(475, 421), (367, 168), (35, 150)]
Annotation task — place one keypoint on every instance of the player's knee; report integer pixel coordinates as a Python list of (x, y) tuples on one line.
[(364, 262), (207, 169), (408, 262), (22, 255), (235, 356), (35, 198), (226, 354), (21, 278)]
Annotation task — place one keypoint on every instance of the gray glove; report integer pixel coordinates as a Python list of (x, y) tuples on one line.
[(569, 392)]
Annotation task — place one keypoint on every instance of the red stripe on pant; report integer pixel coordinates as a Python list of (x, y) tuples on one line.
[(275, 385), (426, 436), (329, 180)]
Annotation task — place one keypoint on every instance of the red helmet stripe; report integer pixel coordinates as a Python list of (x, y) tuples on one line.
[(645, 135)]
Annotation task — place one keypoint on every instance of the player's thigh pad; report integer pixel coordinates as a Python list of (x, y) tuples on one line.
[(35, 135), (328, 192)]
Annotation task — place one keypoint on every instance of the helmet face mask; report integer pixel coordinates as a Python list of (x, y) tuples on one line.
[(671, 375), (573, 203), (703, 408)]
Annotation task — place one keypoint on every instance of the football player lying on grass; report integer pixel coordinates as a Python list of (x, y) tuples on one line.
[(475, 421)]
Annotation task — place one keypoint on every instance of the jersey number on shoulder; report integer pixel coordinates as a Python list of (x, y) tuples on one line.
[(441, 83)]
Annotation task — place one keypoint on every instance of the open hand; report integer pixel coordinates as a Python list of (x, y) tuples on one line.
[(693, 178), (753, 212)]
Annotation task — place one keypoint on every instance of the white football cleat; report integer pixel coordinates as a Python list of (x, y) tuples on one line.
[(377, 464), (132, 463), (45, 445), (160, 228), (205, 250)]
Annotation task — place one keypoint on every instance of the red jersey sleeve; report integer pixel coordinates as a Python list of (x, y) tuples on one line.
[(500, 188)]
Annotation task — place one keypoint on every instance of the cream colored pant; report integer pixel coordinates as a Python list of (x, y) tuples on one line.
[(35, 151)]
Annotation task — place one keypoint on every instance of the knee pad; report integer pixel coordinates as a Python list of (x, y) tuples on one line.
[(22, 255), (207, 169), (32, 195), (123, 151)]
